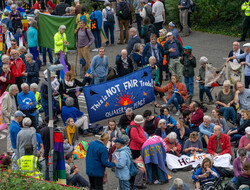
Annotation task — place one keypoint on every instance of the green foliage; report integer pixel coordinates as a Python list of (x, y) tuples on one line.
[(14, 180)]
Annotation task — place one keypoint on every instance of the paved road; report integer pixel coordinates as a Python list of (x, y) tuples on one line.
[(214, 47)]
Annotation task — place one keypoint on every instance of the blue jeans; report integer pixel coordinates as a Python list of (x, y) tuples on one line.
[(205, 89), (78, 179), (98, 80), (98, 40), (124, 185), (228, 111), (49, 53), (138, 21), (160, 173), (236, 136), (189, 81), (175, 99), (109, 28), (34, 52)]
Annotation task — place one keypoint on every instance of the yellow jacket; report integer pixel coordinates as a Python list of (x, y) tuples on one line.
[(58, 42), (246, 7)]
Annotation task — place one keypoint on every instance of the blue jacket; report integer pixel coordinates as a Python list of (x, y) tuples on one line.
[(24, 100), (99, 66), (199, 172), (206, 130), (68, 112), (98, 16), (123, 164), (14, 130), (97, 159), (169, 119), (32, 37), (8, 23), (147, 53)]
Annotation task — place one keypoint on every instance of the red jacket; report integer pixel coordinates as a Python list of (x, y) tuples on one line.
[(136, 139), (224, 143), (18, 67), (170, 146), (197, 117), (10, 80)]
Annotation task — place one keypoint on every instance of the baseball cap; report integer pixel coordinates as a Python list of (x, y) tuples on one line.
[(19, 114), (247, 130), (169, 34), (119, 140)]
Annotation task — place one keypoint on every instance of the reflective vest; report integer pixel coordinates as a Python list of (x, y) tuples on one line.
[(38, 101), (28, 165), (162, 44), (246, 7)]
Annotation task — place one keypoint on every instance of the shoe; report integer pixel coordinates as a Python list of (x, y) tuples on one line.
[(178, 112), (156, 182), (241, 40), (210, 102), (164, 182), (119, 43), (94, 50), (188, 168)]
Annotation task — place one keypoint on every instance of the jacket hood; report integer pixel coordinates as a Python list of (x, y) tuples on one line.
[(127, 150), (133, 123)]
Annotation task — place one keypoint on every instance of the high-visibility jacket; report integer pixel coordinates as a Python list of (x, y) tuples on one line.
[(38, 100), (162, 44), (28, 165), (246, 7)]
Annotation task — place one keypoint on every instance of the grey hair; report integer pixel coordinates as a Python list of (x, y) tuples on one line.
[(69, 102), (4, 57), (33, 23), (9, 2), (29, 55), (178, 183), (24, 85), (19, 30), (207, 117), (67, 10), (152, 58), (22, 49), (129, 110), (26, 122), (172, 135), (36, 11), (134, 29), (12, 87), (137, 47), (4, 25), (62, 27), (13, 6), (203, 59), (242, 152), (164, 31), (12, 51), (161, 121), (34, 86)]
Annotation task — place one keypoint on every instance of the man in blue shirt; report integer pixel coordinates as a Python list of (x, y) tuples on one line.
[(206, 128)]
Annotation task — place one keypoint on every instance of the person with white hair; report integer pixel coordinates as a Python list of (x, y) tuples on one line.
[(245, 141), (26, 136), (16, 18), (32, 70), (178, 184), (173, 145), (60, 40), (124, 64), (206, 128), (7, 22), (162, 130), (235, 52), (7, 8), (174, 31), (134, 39), (201, 78), (7, 78), (67, 11)]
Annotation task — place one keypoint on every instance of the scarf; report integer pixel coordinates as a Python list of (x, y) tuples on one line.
[(155, 52), (70, 133), (69, 83), (162, 38)]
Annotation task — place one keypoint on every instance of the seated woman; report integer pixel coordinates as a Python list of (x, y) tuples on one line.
[(113, 131), (70, 132), (173, 145), (155, 74), (244, 178), (193, 144), (182, 131), (136, 56), (162, 130), (219, 120), (245, 141), (151, 122), (225, 101), (204, 172), (186, 116), (237, 133), (177, 92), (171, 123)]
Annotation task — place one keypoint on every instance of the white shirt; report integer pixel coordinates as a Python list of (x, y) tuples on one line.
[(104, 13), (158, 10), (236, 54)]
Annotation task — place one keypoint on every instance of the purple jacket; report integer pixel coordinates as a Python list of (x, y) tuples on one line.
[(238, 166)]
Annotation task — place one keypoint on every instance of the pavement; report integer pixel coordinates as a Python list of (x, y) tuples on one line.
[(215, 47)]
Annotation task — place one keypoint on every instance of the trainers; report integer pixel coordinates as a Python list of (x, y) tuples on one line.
[(178, 112), (156, 182), (94, 50), (241, 40)]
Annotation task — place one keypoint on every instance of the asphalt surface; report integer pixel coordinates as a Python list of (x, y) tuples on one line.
[(215, 47)]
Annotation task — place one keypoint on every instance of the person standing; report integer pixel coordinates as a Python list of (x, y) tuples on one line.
[(158, 12), (32, 70), (60, 8), (60, 40), (99, 67), (134, 38), (7, 77), (137, 4), (245, 7), (235, 52), (184, 6), (78, 7), (16, 18)]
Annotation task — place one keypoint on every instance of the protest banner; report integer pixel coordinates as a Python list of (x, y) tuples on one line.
[(175, 162), (113, 97)]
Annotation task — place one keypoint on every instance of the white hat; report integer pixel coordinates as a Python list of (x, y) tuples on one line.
[(169, 34), (246, 45), (247, 130), (171, 24), (76, 1), (139, 119)]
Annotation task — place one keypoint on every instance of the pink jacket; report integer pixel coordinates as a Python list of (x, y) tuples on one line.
[(136, 139), (244, 141)]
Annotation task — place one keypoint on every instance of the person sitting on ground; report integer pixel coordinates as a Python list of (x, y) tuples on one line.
[(238, 163), (69, 111), (58, 61), (201, 78), (124, 64), (206, 128), (173, 145), (177, 93), (205, 171), (225, 101), (113, 131), (137, 57), (162, 130), (178, 184), (245, 141), (219, 120), (193, 145), (219, 143), (244, 178), (237, 133), (70, 132), (196, 116), (72, 175), (182, 132), (242, 96), (151, 122), (126, 119), (164, 114), (186, 116)]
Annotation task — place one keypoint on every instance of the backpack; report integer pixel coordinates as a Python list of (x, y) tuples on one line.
[(124, 11), (149, 14), (128, 129), (110, 15), (133, 168), (149, 29), (193, 7), (95, 129), (204, 108)]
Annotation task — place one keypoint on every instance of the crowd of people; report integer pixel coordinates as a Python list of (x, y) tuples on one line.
[(143, 139)]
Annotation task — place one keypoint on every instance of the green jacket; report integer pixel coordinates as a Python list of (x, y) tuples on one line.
[(166, 48), (58, 42), (202, 72), (143, 31), (157, 74), (189, 65)]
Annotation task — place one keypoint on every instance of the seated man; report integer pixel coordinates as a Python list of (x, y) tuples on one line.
[(126, 119), (245, 141), (242, 96), (72, 175), (124, 64), (196, 116), (219, 143), (206, 128)]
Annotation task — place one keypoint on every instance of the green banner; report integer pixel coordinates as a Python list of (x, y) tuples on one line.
[(48, 26)]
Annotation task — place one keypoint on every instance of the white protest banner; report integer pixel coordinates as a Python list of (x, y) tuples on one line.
[(175, 162)]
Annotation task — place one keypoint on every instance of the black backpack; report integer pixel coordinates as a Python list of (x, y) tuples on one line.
[(128, 129), (204, 108), (124, 11), (149, 14), (149, 29), (110, 15)]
